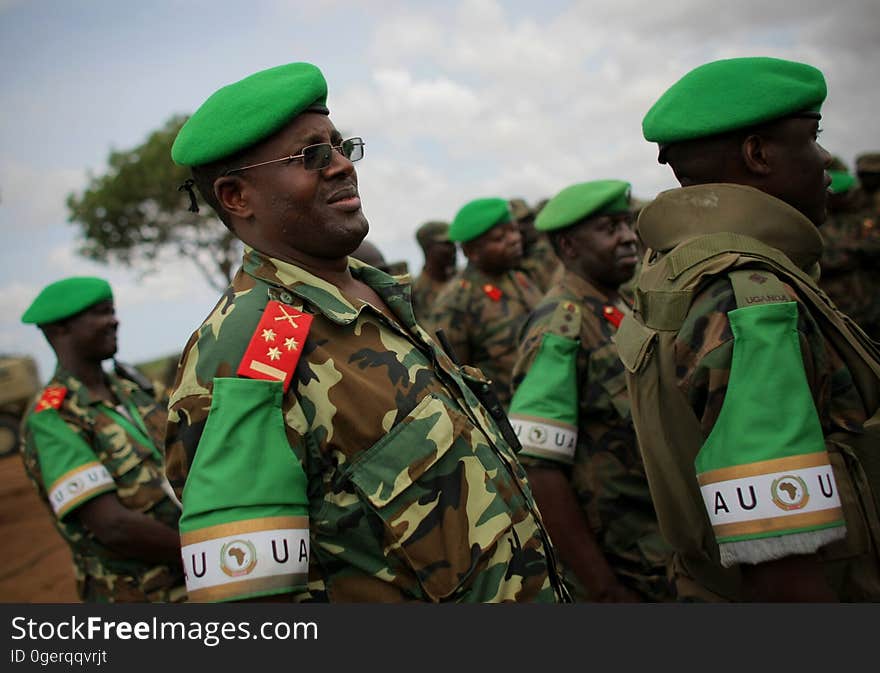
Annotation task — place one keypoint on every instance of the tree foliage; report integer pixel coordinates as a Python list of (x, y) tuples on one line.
[(134, 212)]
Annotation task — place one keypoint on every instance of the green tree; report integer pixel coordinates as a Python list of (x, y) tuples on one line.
[(134, 212)]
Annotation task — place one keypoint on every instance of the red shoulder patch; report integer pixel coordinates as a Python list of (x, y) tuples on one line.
[(51, 398), (613, 315), (494, 293), (276, 345)]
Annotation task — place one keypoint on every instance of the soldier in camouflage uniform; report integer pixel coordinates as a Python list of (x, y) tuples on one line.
[(755, 402), (92, 448), (483, 309), (852, 249), (539, 261), (571, 409), (440, 253), (325, 447)]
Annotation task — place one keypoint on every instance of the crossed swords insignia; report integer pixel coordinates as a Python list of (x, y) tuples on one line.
[(289, 318)]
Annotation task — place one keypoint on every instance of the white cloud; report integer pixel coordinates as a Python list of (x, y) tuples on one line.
[(35, 196)]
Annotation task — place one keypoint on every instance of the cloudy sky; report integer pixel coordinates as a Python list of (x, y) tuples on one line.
[(454, 99)]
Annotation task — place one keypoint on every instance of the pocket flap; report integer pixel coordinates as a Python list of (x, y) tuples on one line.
[(633, 341)]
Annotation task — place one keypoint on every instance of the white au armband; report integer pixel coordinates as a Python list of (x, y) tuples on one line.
[(78, 485), (544, 438), (246, 558)]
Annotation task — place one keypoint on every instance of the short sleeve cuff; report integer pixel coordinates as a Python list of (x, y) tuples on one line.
[(79, 485)]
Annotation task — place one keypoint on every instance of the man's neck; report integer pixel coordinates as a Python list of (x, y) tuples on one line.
[(90, 374), (436, 272)]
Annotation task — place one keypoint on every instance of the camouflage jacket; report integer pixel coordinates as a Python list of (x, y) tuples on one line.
[(541, 264), (851, 260), (607, 474), (76, 448), (482, 317), (411, 493), (425, 291), (695, 359)]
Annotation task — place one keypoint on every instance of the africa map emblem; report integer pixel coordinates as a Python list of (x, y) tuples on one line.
[(789, 492), (238, 557), (537, 435)]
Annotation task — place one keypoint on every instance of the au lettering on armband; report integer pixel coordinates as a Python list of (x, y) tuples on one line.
[(78, 485), (797, 494), (544, 438), (246, 558)]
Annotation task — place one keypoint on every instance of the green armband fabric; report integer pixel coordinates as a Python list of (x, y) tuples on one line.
[(72, 473), (764, 473), (544, 409), (244, 528)]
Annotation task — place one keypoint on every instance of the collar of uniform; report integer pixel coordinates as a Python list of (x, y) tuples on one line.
[(80, 394), (680, 214), (581, 287), (325, 296)]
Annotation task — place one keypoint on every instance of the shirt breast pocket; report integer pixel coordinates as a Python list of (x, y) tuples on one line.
[(428, 481)]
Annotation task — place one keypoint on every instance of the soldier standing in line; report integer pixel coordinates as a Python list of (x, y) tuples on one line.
[(868, 248), (483, 309), (755, 402), (843, 277), (326, 448), (571, 410), (539, 262), (92, 448), (440, 253)]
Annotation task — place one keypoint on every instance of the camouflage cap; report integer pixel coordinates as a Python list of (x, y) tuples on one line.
[(868, 163), (477, 217), (248, 111), (65, 298), (584, 199), (432, 232), (733, 94)]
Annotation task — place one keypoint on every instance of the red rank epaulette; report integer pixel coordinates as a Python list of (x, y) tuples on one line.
[(613, 315), (276, 345), (492, 292), (51, 398)]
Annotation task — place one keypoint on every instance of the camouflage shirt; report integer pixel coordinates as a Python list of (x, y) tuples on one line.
[(482, 316), (77, 448), (607, 474), (425, 291), (412, 494)]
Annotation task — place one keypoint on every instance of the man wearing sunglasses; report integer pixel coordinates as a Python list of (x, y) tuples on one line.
[(325, 448)]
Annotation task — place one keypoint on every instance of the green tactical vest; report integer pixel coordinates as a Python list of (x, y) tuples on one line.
[(665, 421)]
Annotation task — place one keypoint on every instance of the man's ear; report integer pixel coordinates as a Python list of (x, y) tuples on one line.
[(232, 193), (757, 154), (471, 250)]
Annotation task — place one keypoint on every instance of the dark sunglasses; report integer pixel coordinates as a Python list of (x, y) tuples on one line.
[(316, 157)]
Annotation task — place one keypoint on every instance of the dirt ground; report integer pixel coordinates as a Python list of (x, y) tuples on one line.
[(36, 565)]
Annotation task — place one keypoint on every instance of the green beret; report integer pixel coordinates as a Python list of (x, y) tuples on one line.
[(248, 111), (65, 298), (868, 163), (841, 181), (732, 94), (478, 217), (585, 199), (432, 232)]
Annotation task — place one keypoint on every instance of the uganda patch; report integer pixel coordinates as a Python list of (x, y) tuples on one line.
[(276, 346), (51, 398)]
